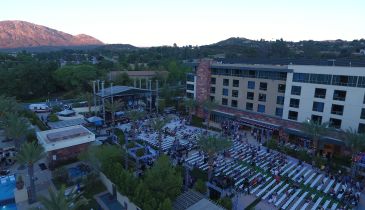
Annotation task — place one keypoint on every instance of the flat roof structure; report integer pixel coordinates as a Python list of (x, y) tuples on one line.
[(64, 137), (123, 91)]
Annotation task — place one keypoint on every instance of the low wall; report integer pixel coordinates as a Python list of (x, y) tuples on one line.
[(123, 200)]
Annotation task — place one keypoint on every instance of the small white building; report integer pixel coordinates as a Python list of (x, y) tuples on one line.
[(65, 143)]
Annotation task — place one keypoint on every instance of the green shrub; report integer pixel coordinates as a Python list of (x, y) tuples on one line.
[(53, 118), (200, 186), (226, 202), (197, 121), (140, 152)]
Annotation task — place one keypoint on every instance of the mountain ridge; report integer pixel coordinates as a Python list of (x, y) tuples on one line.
[(23, 34)]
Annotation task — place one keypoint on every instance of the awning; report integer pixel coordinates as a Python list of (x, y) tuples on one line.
[(258, 123), (96, 120), (66, 112)]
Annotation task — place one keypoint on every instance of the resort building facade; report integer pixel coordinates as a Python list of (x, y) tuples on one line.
[(281, 97)]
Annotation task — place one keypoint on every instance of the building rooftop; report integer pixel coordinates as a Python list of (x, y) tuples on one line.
[(121, 90), (64, 137)]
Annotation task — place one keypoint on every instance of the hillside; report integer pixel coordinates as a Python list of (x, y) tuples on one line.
[(21, 34)]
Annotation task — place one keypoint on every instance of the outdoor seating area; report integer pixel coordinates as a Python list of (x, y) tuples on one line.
[(277, 179)]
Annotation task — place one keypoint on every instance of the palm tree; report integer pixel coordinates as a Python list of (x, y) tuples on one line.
[(315, 130), (113, 107), (58, 201), (212, 145), (29, 154), (208, 107), (16, 128), (158, 124), (190, 104), (8, 105), (356, 142), (88, 97), (133, 115)]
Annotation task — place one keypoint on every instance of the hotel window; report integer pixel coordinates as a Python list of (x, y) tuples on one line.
[(263, 86), (361, 128), (279, 112), (292, 115), (361, 82), (224, 101), (294, 103), (212, 98), (281, 88), (190, 78), (262, 97), (190, 87), (296, 90), (249, 106), (225, 91), (225, 82), (301, 77), (317, 119), (320, 79), (318, 106), (234, 103), (235, 93), (261, 108), (363, 100), (320, 93), (251, 85), (250, 95), (337, 109), (236, 83), (362, 114), (212, 89), (280, 100), (190, 95), (343, 80), (213, 80), (339, 95), (335, 123)]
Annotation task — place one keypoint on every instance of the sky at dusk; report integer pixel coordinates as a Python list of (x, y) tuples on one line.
[(194, 22)]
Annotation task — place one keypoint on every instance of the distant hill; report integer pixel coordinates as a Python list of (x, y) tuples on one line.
[(22, 34), (238, 41)]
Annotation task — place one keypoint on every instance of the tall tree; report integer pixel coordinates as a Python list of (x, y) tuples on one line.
[(356, 143), (57, 200), (134, 116), (212, 145), (113, 107), (315, 130), (190, 104), (29, 154), (158, 124), (208, 107), (8, 105), (16, 128), (163, 180), (88, 97)]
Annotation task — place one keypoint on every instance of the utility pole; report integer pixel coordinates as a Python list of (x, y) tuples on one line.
[(150, 87), (156, 96), (102, 99), (94, 91)]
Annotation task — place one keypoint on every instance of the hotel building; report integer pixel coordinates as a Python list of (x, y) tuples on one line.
[(280, 97)]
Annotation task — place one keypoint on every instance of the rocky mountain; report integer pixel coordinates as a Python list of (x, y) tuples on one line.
[(21, 34)]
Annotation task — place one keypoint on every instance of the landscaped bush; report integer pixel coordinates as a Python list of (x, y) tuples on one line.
[(120, 134), (197, 121), (131, 145), (226, 202), (53, 118), (33, 118), (200, 186), (140, 152), (199, 174)]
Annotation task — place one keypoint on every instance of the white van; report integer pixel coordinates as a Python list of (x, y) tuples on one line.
[(39, 108)]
